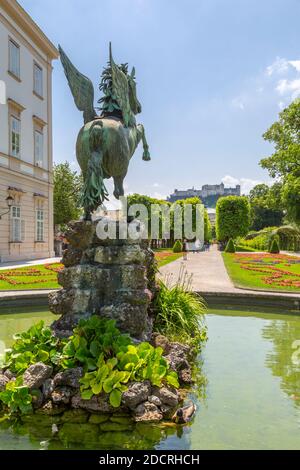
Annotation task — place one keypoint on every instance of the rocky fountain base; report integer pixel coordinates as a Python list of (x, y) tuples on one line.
[(112, 278)]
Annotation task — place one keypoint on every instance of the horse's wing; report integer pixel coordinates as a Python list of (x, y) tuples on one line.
[(81, 87), (120, 90)]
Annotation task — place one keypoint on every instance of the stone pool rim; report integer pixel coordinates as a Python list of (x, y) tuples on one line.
[(290, 302)]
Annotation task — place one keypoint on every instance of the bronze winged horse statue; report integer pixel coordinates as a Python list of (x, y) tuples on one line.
[(106, 143)]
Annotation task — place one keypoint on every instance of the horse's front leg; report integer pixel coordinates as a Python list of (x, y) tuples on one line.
[(146, 154)]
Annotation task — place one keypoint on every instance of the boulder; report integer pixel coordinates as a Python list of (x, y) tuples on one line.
[(3, 381), (62, 395), (9, 375), (147, 412), (160, 341), (154, 399), (136, 393), (166, 395), (69, 377), (185, 376), (177, 356), (98, 403), (35, 375), (71, 257), (47, 388)]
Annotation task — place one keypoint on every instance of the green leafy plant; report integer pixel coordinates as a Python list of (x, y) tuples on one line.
[(34, 345), (17, 397), (177, 248), (138, 363), (230, 247), (92, 338), (180, 311)]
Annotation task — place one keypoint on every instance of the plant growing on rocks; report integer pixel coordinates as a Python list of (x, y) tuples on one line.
[(92, 338), (17, 397), (34, 345), (180, 311), (108, 358)]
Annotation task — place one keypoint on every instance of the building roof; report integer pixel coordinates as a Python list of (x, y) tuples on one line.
[(26, 23)]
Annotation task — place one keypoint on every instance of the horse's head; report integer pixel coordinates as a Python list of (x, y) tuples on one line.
[(135, 105)]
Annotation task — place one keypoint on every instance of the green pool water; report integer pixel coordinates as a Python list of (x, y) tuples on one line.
[(251, 399)]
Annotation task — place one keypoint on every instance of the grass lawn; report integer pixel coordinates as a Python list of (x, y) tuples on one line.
[(30, 277), (264, 271), (45, 276), (165, 256)]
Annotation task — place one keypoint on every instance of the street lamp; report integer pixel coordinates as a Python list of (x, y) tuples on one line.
[(9, 201)]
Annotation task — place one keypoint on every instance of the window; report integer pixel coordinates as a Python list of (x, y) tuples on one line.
[(38, 148), (15, 136), (39, 225), (14, 58), (37, 79), (17, 225)]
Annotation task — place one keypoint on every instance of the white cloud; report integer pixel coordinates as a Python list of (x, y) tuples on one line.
[(246, 183), (230, 181), (157, 195), (295, 64), (289, 87), (156, 185), (279, 66)]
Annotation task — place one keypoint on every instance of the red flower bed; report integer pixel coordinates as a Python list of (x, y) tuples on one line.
[(9, 276), (265, 263)]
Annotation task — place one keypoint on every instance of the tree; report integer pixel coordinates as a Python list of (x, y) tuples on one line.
[(284, 163), (285, 135), (232, 217), (291, 197), (67, 188), (230, 247), (266, 206)]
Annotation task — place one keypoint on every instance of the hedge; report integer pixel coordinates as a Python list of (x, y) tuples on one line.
[(232, 217)]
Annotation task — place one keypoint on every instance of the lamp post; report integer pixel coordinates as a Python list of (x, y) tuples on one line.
[(9, 201)]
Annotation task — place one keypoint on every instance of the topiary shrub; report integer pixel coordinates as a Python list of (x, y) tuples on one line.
[(230, 247), (177, 247), (232, 217), (274, 248)]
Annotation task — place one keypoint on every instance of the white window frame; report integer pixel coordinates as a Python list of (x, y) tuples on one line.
[(40, 219), (17, 225), (15, 136), (37, 79), (38, 148), (14, 58)]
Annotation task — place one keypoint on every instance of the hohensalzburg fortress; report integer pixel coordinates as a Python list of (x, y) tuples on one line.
[(205, 192)]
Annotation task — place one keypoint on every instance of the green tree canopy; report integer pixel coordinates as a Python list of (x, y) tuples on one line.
[(67, 187), (284, 163), (232, 217), (284, 134)]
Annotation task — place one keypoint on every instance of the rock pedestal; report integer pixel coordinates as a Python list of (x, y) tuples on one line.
[(112, 278)]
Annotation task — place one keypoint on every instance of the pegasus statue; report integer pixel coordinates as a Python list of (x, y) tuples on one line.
[(106, 143)]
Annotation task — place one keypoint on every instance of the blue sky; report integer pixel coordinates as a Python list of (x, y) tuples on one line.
[(212, 76)]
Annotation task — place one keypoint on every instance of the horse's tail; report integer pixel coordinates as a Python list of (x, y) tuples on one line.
[(94, 191)]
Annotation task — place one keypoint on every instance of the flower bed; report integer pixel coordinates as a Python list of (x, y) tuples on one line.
[(41, 276), (264, 270)]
